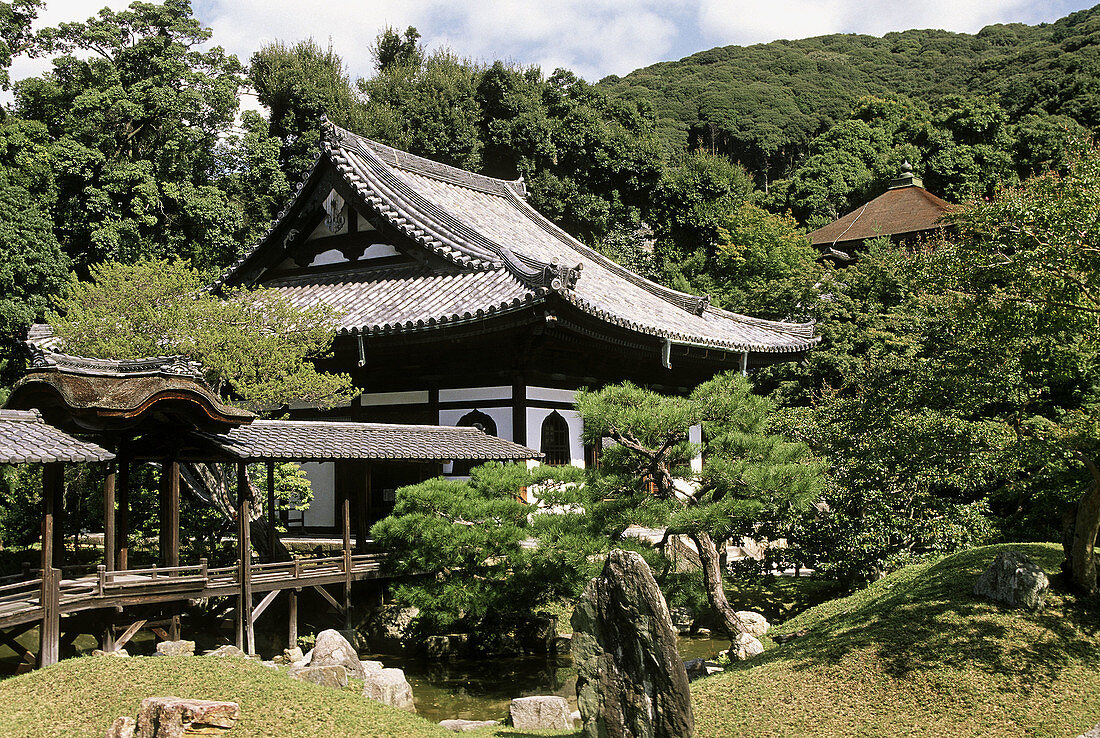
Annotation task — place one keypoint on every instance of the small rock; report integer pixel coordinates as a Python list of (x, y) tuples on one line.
[(450, 646), (1015, 580), (293, 655), (325, 676), (755, 623), (463, 726), (699, 668), (1093, 733), (745, 647), (173, 717), (703, 632), (175, 648), (371, 667), (389, 687), (540, 713), (332, 649), (575, 716), (787, 637), (391, 627), (118, 654), (225, 652), (124, 727)]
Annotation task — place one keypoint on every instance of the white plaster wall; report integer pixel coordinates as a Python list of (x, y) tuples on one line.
[(476, 394), (322, 478), (695, 435), (502, 416), (535, 416)]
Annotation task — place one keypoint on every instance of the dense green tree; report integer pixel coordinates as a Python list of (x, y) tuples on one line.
[(749, 474), (134, 108), (393, 50), (253, 176), (299, 85), (254, 345), (467, 543), (16, 35)]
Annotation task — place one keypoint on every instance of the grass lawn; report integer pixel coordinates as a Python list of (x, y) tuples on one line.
[(916, 654), (81, 697)]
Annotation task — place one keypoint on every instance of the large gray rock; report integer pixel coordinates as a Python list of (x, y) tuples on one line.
[(755, 623), (226, 652), (540, 713), (745, 647), (390, 627), (175, 648), (1015, 580), (174, 717), (334, 675), (630, 679), (332, 649), (389, 687)]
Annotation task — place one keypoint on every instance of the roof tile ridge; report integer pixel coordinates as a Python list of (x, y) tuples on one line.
[(468, 316), (299, 188), (532, 272), (682, 300), (444, 238), (438, 170)]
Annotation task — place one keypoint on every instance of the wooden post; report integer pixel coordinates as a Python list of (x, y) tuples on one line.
[(245, 545), (49, 635), (122, 520), (109, 519), (271, 509), (171, 521), (292, 635), (347, 560)]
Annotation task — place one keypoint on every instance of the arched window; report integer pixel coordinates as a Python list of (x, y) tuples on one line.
[(555, 440), (481, 421)]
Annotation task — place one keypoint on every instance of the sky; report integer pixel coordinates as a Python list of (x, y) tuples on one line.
[(593, 38)]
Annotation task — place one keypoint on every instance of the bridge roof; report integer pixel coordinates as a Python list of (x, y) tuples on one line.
[(26, 438), (317, 440)]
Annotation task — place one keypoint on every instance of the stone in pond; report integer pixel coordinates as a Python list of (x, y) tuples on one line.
[(540, 713), (630, 678), (332, 649), (175, 648), (325, 676), (173, 717), (389, 687), (1015, 580)]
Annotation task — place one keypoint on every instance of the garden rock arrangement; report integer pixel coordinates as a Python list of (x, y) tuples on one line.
[(1015, 580), (175, 648), (630, 679), (174, 717), (540, 713), (334, 660)]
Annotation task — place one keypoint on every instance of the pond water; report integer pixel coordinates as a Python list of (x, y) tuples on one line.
[(481, 689)]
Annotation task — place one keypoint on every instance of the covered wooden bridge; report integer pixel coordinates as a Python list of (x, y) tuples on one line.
[(121, 413)]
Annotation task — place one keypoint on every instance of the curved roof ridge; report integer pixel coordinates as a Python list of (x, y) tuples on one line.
[(692, 303), (446, 172)]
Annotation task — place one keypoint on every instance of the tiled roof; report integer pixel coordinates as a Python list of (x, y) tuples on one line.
[(26, 438), (896, 212), (316, 440), (504, 252)]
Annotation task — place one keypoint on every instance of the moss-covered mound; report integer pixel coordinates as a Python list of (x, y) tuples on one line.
[(917, 654), (81, 697)]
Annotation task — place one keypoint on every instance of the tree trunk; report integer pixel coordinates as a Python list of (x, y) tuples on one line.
[(210, 484), (1080, 543), (712, 582)]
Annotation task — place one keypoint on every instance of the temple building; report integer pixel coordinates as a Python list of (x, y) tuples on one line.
[(904, 213), (464, 306)]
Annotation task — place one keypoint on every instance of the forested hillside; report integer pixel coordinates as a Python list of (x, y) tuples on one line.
[(762, 105)]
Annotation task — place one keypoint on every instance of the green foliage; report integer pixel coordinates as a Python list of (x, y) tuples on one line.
[(16, 36), (392, 50), (466, 541), (134, 109), (254, 345)]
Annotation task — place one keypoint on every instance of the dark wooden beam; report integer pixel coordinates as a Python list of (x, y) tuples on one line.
[(170, 515), (244, 619), (347, 559), (122, 520), (109, 520), (292, 611), (271, 509)]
